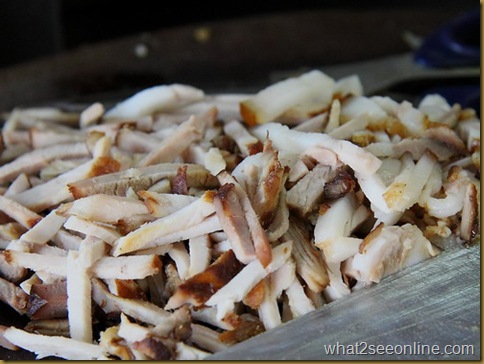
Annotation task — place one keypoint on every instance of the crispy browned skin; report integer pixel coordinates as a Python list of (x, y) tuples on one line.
[(256, 295), (119, 182), (232, 218), (128, 288), (255, 148), (339, 186), (248, 326), (271, 185), (104, 165), (198, 289), (156, 348), (179, 185)]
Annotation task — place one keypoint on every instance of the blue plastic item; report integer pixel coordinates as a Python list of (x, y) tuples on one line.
[(456, 44)]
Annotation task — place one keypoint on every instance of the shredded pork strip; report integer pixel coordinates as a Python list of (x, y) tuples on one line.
[(176, 224)]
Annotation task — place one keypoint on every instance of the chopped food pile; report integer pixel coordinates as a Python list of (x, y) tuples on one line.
[(177, 223)]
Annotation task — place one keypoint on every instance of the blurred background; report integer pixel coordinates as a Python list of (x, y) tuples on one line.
[(71, 48), (30, 28)]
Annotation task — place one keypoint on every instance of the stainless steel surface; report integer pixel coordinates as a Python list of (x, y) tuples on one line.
[(436, 302)]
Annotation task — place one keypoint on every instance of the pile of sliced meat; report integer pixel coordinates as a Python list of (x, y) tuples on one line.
[(178, 223)]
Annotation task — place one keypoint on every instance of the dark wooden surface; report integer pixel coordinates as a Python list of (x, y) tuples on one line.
[(237, 54)]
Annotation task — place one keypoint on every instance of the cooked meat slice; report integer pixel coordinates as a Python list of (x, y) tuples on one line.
[(280, 222), (387, 250), (346, 130), (105, 208), (310, 264), (45, 346), (140, 179), (132, 332), (180, 256), (66, 240), (56, 190), (150, 234), (14, 296), (295, 142), (79, 308), (298, 170), (199, 288), (227, 105), (179, 183), (255, 296), (49, 327), (259, 237), (248, 326), (41, 137), (315, 124), (200, 248), (19, 213), (262, 176), (323, 156), (238, 287), (136, 141), (143, 311), (114, 347), (20, 183), (26, 117), (214, 161), (469, 226), (37, 262), (163, 204), (35, 160), (275, 284), (405, 190), (305, 95), (373, 186), (448, 138), (4, 342), (333, 229), (207, 338), (454, 191), (340, 185), (44, 230), (129, 267), (245, 141), (337, 287), (104, 232), (10, 272), (208, 315), (234, 223), (308, 192), (469, 131), (171, 147), (187, 352), (155, 99), (91, 115), (48, 301), (156, 348), (438, 110), (299, 303)]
